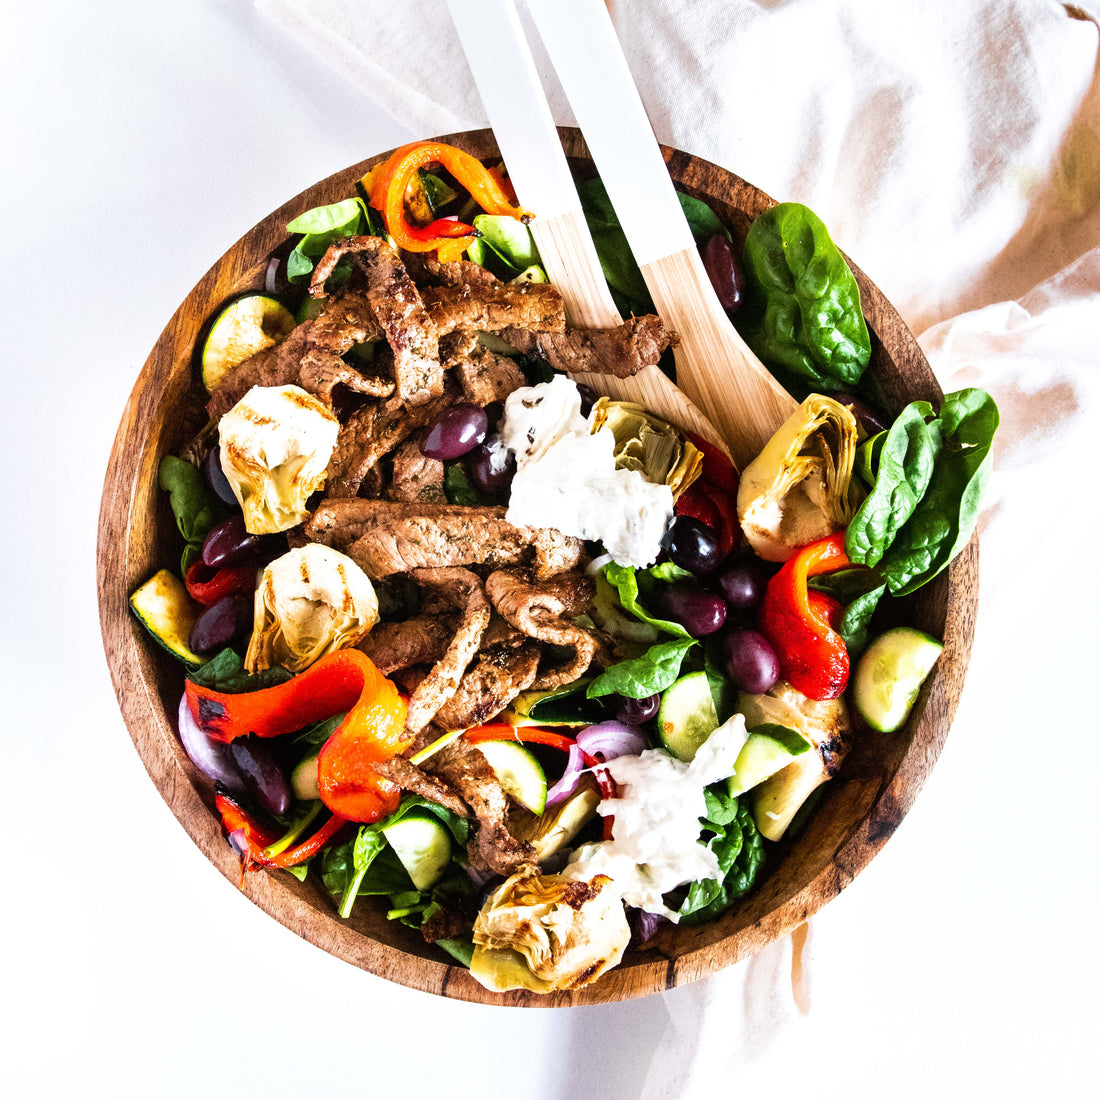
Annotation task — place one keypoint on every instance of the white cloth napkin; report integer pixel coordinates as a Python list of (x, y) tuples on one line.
[(953, 148)]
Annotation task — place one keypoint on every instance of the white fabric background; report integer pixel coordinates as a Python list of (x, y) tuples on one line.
[(953, 150)]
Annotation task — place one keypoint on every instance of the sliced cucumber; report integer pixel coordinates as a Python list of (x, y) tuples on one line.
[(304, 781), (780, 796), (423, 845), (769, 749), (164, 608), (890, 674), (532, 274), (519, 773), (687, 716), (245, 326), (551, 708)]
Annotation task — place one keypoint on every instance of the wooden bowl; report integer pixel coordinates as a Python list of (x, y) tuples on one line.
[(859, 811)]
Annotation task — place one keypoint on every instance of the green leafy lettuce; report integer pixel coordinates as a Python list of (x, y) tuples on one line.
[(323, 225), (225, 672), (193, 503)]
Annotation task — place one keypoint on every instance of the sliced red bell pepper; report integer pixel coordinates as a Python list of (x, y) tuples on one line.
[(208, 585), (717, 468), (450, 239), (728, 528), (696, 503), (798, 623), (501, 731), (372, 731)]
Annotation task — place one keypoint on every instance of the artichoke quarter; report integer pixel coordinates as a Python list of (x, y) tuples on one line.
[(311, 601), (546, 932), (644, 442), (799, 488)]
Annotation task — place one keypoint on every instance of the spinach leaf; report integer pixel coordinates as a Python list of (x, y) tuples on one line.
[(943, 520), (194, 505), (225, 672), (902, 471), (323, 225), (313, 737), (860, 591), (617, 261), (722, 689), (624, 579), (702, 221), (458, 487), (730, 833), (462, 950), (802, 310), (640, 677)]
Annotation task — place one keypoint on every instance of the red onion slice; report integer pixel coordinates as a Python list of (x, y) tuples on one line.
[(211, 757), (647, 925), (596, 564), (565, 786), (611, 739), (270, 280)]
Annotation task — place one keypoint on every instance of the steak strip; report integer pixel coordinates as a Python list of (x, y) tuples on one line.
[(622, 351), (495, 306), (538, 610), (464, 590)]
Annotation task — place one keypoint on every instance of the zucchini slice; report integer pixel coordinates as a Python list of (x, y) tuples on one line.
[(687, 716), (164, 608), (304, 781), (245, 326)]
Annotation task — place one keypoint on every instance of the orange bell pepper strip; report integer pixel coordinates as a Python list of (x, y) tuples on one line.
[(812, 655), (373, 729), (450, 238)]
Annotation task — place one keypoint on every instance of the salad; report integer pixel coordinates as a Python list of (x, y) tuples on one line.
[(536, 667)]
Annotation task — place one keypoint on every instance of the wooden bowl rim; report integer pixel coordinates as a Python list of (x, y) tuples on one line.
[(134, 669)]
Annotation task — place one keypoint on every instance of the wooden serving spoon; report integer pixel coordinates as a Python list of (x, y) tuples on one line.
[(508, 82), (714, 366)]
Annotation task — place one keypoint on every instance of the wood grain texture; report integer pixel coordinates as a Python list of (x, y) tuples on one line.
[(858, 813)]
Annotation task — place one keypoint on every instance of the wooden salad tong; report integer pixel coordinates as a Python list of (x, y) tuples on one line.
[(715, 369)]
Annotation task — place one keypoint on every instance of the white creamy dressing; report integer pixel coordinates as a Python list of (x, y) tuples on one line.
[(566, 476), (655, 845)]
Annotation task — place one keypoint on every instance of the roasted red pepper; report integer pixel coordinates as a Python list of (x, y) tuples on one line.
[(450, 238), (372, 731), (252, 840), (207, 585), (717, 468), (798, 623)]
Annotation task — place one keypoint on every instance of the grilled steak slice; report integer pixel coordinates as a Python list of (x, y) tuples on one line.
[(384, 537), (538, 609), (498, 674), (464, 590), (427, 271), (416, 478), (495, 306), (410, 778), (492, 847), (346, 320), (398, 308), (370, 433), (621, 351), (322, 371), (418, 641), (486, 377)]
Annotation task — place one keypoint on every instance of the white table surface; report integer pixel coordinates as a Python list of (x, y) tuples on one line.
[(138, 143)]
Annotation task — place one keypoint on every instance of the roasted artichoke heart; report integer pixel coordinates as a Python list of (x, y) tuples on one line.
[(311, 601), (275, 446), (799, 488), (647, 443), (546, 932)]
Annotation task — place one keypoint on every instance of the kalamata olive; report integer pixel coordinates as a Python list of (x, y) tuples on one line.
[(633, 712), (261, 774), (588, 398), (873, 422), (724, 271), (230, 544), (750, 661), (699, 612), (743, 582), (692, 545), (493, 412), (212, 468), (221, 622), (454, 432), (491, 469)]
